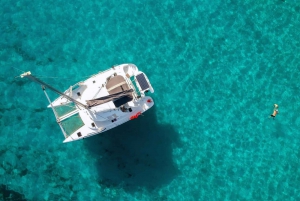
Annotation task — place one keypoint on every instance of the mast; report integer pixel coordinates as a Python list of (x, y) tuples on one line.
[(31, 77)]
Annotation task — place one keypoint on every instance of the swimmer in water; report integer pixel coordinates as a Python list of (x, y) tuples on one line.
[(275, 111)]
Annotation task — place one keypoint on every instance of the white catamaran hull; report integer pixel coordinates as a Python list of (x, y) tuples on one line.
[(102, 102)]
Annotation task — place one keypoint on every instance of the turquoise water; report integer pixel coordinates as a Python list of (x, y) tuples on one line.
[(217, 68)]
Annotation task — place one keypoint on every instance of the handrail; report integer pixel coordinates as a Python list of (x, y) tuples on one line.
[(68, 115), (55, 114), (132, 86)]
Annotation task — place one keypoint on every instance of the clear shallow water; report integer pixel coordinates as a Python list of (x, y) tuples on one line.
[(217, 68)]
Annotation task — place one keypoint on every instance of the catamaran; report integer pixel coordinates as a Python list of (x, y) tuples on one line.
[(102, 102)]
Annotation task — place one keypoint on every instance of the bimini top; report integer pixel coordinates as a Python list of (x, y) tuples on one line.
[(119, 93), (116, 84)]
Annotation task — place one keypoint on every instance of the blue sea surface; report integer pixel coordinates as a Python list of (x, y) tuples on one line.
[(217, 68)]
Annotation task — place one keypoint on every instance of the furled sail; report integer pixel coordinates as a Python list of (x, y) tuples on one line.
[(119, 98)]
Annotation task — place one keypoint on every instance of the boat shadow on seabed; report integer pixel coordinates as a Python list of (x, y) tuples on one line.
[(136, 154)]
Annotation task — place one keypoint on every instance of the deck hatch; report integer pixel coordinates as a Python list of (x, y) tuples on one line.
[(142, 81)]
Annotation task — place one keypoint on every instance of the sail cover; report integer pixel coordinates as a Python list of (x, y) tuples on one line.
[(119, 98)]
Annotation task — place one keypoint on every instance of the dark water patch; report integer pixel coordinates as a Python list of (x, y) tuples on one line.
[(9, 195), (297, 9), (2, 151), (14, 79), (23, 172), (136, 154), (7, 109), (24, 54), (279, 131), (40, 109)]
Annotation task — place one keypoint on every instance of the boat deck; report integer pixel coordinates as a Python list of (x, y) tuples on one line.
[(105, 115)]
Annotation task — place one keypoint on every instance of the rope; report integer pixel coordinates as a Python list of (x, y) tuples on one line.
[(53, 77), (42, 76), (19, 69)]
